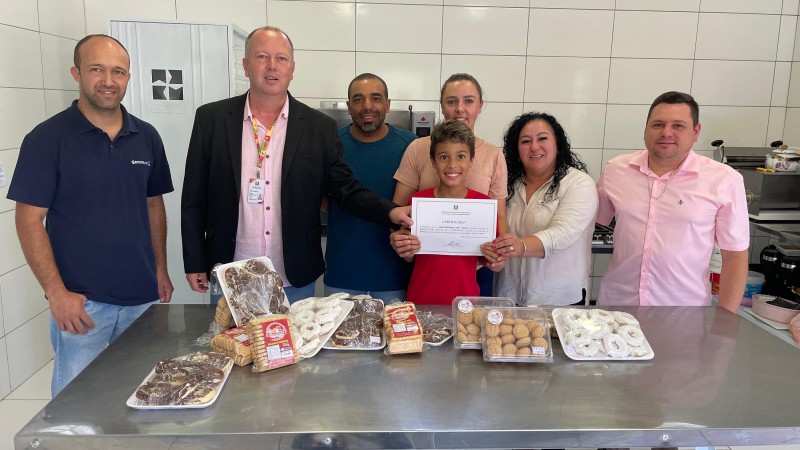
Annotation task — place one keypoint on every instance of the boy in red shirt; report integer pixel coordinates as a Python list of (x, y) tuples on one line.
[(437, 279)]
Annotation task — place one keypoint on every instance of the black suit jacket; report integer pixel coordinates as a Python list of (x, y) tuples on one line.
[(312, 168)]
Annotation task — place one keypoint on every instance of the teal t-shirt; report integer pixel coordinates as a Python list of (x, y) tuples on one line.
[(358, 255)]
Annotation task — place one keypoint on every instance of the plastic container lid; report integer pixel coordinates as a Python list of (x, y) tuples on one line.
[(755, 277)]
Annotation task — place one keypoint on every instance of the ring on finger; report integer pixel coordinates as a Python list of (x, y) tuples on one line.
[(511, 248)]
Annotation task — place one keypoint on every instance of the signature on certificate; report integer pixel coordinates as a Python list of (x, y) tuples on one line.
[(453, 244)]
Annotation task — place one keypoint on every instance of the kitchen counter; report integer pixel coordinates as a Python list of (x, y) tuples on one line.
[(716, 379), (789, 232)]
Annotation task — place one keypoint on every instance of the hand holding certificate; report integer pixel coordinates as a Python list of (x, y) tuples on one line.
[(452, 226)]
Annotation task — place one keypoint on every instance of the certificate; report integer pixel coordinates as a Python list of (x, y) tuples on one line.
[(453, 226)]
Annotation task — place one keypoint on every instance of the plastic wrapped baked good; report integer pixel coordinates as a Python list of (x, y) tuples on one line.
[(597, 334), (436, 328), (468, 318), (314, 320), (189, 381), (516, 334), (235, 344), (271, 342), (252, 288), (403, 330), (223, 316), (362, 328)]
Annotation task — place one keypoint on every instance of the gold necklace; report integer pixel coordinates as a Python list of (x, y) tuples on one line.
[(651, 180)]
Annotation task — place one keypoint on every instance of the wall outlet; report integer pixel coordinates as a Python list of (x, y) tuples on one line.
[(2, 175)]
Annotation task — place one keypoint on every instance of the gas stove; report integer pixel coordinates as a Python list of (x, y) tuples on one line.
[(603, 238)]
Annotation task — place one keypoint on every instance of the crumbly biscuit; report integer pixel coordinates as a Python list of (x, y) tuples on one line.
[(461, 328), (494, 341), (539, 342), (519, 322), (508, 339), (464, 318), (508, 321), (520, 331), (492, 330), (494, 350), (539, 331), (524, 351), (531, 325), (462, 337), (473, 329), (506, 329), (509, 350), (477, 316), (524, 342), (473, 338)]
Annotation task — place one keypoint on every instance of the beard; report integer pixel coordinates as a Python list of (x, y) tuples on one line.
[(369, 127)]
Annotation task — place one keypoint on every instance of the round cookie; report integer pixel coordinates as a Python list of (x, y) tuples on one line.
[(461, 328), (462, 337), (524, 342), (508, 339), (520, 331), (473, 329), (473, 338), (494, 350), (539, 331), (494, 341), (508, 321), (506, 329), (519, 322), (477, 316), (464, 318), (509, 350), (492, 330), (524, 351), (539, 342)]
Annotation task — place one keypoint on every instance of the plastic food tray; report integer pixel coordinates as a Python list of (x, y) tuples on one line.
[(135, 403), (344, 310), (601, 355), (506, 320), (226, 290), (328, 345), (467, 305)]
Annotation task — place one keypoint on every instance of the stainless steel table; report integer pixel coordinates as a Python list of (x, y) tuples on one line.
[(715, 380)]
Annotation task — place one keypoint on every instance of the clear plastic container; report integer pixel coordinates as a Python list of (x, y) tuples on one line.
[(516, 334), (468, 319)]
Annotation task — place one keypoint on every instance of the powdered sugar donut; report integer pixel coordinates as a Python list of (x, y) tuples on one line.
[(327, 314), (578, 338), (587, 350), (326, 327), (573, 318), (306, 304), (303, 317), (328, 302), (309, 331), (615, 346), (632, 335), (601, 315), (637, 352), (601, 330), (308, 348), (624, 318)]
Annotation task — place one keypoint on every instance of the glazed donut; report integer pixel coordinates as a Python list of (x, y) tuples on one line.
[(309, 331), (624, 318), (578, 338), (632, 335), (601, 315), (326, 315), (587, 350), (303, 317), (615, 346)]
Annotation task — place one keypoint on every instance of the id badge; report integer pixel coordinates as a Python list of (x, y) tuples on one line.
[(255, 191)]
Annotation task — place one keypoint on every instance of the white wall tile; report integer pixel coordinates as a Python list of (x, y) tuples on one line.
[(625, 126), (583, 123), (404, 2), (57, 55), (395, 28), (566, 32), (794, 86), (28, 348), (737, 126), (593, 158), (19, 13), (786, 38), (63, 18), (780, 83), (634, 36), (338, 69), (411, 77), (742, 6), (9, 158), (737, 36), (316, 25), (777, 121), (9, 244), (791, 6), (796, 56), (98, 12), (502, 78), (573, 4), (247, 14), (496, 3), (5, 384), (569, 80), (659, 5), (484, 31), (639, 81), (56, 101), (22, 110), (791, 132), (23, 298), (736, 83), (21, 50), (494, 120)]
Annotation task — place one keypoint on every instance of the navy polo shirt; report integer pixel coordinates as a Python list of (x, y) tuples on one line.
[(96, 193)]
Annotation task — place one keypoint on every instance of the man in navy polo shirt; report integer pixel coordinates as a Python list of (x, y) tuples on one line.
[(96, 174)]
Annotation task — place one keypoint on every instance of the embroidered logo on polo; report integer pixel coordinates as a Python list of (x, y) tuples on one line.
[(167, 84), (140, 163)]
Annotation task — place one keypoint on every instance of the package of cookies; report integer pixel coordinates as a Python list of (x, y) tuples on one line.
[(252, 288), (271, 342), (222, 315), (314, 320), (403, 330), (516, 334), (235, 344), (468, 318), (362, 329), (597, 334), (436, 328), (190, 381)]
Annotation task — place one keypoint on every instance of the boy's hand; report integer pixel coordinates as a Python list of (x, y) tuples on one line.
[(404, 243)]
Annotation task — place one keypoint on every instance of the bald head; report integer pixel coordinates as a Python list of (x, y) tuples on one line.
[(76, 56)]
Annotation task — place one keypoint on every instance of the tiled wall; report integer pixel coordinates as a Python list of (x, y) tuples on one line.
[(595, 64)]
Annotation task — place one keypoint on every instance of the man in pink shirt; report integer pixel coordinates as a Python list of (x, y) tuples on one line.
[(671, 206)]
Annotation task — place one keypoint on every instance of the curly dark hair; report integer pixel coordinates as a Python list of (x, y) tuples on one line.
[(565, 158)]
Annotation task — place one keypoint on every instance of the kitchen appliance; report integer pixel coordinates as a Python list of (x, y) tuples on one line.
[(771, 196), (770, 265), (417, 122), (789, 274), (603, 238)]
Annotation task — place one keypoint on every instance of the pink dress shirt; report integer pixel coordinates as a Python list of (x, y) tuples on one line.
[(259, 230), (662, 246)]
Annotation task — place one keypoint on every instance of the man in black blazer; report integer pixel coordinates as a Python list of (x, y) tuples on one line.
[(292, 159)]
